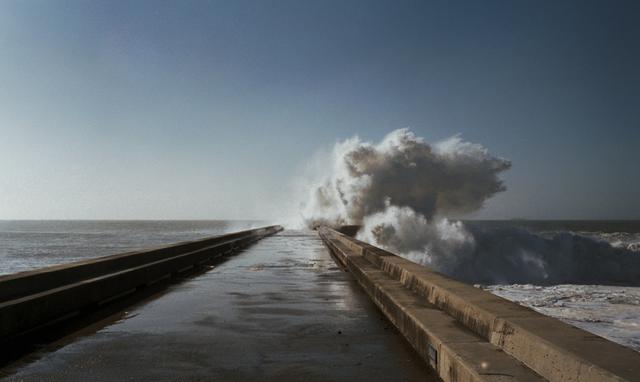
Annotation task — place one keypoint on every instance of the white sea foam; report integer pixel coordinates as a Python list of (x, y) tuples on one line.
[(611, 312), (625, 240)]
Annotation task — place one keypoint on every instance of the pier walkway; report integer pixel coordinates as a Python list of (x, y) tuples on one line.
[(279, 310)]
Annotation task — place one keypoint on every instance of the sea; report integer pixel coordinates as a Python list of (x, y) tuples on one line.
[(612, 312), (609, 311), (31, 244)]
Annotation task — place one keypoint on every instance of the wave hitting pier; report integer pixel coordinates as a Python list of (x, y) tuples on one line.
[(467, 334)]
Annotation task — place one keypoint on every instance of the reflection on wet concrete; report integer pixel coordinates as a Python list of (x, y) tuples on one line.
[(281, 310)]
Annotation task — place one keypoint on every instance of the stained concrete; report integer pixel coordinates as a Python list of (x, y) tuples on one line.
[(454, 351), (554, 350), (281, 310)]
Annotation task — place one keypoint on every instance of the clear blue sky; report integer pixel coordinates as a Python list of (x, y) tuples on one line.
[(205, 109)]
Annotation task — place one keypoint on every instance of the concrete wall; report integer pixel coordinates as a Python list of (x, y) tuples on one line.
[(419, 302), (34, 298)]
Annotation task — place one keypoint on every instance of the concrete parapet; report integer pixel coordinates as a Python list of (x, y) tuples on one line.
[(548, 347), (35, 298)]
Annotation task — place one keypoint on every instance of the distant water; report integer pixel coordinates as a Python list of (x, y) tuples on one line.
[(605, 226), (26, 245), (619, 233)]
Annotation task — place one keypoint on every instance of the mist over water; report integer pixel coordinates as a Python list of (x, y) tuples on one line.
[(408, 195)]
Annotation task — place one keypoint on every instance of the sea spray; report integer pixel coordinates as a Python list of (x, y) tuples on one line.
[(452, 177), (408, 194)]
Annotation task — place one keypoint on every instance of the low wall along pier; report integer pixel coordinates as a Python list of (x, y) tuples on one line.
[(467, 334), (32, 299)]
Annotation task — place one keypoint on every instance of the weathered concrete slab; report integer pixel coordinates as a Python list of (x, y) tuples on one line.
[(454, 351), (280, 310), (555, 350)]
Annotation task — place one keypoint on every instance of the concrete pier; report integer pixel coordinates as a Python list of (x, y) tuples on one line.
[(467, 334), (34, 299), (279, 310), (286, 308)]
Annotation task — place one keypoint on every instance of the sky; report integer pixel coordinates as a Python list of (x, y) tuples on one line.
[(210, 109)]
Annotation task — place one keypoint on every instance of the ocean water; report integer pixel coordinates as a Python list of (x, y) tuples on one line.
[(612, 312), (26, 245), (618, 233)]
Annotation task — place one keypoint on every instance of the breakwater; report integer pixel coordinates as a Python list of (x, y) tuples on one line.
[(33, 299), (467, 334)]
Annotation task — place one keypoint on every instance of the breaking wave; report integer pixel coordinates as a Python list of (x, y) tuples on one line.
[(408, 195)]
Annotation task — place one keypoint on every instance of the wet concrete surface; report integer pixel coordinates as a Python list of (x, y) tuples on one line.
[(280, 310)]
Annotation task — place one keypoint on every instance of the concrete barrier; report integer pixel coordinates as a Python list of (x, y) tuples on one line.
[(468, 334), (34, 298)]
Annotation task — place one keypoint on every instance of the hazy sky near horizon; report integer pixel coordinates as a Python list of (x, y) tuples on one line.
[(209, 109)]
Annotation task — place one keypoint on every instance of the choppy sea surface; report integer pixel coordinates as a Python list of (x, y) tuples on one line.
[(612, 312), (26, 245), (609, 311)]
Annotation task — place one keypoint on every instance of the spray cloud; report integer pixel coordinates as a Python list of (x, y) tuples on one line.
[(407, 193), (450, 178)]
